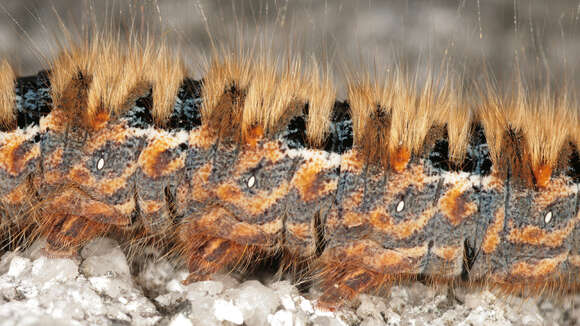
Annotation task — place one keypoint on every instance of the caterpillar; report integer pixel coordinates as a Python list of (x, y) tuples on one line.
[(402, 180)]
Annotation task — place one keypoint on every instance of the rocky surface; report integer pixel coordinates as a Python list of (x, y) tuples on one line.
[(98, 288)]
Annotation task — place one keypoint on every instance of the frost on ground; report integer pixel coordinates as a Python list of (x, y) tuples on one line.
[(97, 288)]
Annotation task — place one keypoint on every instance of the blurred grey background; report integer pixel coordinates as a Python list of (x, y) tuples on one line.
[(543, 36)]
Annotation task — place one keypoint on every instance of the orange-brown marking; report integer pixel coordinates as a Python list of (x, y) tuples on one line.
[(207, 255), (352, 219), (272, 227), (574, 260), (108, 187), (308, 182), (126, 208), (153, 161), (301, 231), (253, 204), (51, 174), (253, 136), (536, 236), (100, 120), (203, 173), (117, 133), (199, 181), (12, 157), (56, 121), (542, 174), (212, 217), (414, 175), (272, 152), (491, 239), (556, 189), (381, 220), (400, 158), (71, 202), (150, 206), (219, 222), (213, 246), (354, 199), (67, 231), (249, 158), (244, 230), (494, 181), (201, 138), (94, 209), (539, 269), (18, 195), (399, 260), (352, 161), (454, 207), (80, 175), (448, 253)]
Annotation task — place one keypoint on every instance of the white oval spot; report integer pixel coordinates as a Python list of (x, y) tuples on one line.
[(100, 163), (400, 206), (548, 217), (251, 181)]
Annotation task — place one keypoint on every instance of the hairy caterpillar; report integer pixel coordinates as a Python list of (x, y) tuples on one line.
[(394, 183)]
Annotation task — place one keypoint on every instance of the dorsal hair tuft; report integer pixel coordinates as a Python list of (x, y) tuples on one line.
[(370, 119), (7, 96), (73, 101), (491, 113), (574, 126), (457, 114), (320, 94), (392, 120), (224, 91), (528, 130), (133, 69), (543, 118), (271, 91), (165, 71)]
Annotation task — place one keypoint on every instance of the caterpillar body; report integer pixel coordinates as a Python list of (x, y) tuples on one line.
[(392, 184)]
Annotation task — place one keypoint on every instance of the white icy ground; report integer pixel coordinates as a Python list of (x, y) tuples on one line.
[(97, 288)]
